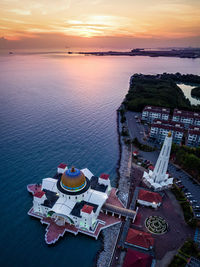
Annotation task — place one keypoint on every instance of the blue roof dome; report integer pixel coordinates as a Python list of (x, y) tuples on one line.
[(73, 180)]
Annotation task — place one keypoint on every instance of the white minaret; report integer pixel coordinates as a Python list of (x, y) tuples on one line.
[(158, 179)]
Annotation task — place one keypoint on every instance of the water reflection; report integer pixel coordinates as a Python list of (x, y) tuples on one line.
[(187, 92)]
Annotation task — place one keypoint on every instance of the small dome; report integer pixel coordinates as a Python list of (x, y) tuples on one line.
[(73, 180)]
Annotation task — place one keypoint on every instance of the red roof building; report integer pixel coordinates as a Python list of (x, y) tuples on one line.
[(135, 153), (62, 165), (104, 176), (87, 209), (39, 194), (137, 259), (149, 196), (139, 239), (151, 167)]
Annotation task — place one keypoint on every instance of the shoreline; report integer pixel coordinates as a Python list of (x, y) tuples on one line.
[(180, 53), (110, 235)]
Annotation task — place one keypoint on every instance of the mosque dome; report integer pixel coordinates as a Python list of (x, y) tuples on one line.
[(73, 180)]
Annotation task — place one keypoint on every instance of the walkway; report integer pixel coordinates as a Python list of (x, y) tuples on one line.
[(119, 211)]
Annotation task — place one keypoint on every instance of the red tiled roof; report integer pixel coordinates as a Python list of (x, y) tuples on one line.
[(157, 109), (139, 238), (104, 176), (137, 259), (149, 196), (169, 122), (167, 127), (193, 129), (62, 165), (39, 194), (151, 167), (186, 114), (87, 209)]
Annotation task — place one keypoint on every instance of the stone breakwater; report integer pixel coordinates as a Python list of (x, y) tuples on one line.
[(110, 235)]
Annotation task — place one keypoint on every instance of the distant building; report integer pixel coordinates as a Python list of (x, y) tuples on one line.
[(186, 117), (193, 137), (139, 239), (160, 129), (149, 198), (150, 113)]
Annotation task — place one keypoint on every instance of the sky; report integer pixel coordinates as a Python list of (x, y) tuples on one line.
[(120, 24)]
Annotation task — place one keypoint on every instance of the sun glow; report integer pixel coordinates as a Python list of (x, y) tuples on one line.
[(20, 19)]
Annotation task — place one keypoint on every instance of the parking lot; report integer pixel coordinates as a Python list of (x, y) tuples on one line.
[(188, 186)]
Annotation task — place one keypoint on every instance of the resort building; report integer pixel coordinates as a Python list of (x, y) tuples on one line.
[(76, 201), (139, 239), (160, 129), (193, 137), (136, 258), (159, 179), (186, 117), (149, 199), (150, 113)]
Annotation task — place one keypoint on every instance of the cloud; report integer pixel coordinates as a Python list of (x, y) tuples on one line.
[(21, 12)]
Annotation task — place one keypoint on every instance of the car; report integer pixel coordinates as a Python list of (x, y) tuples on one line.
[(197, 207), (197, 215), (136, 117), (188, 194), (196, 210)]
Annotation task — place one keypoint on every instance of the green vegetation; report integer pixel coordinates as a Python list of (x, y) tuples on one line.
[(188, 158), (185, 205), (180, 78), (142, 147), (189, 249), (196, 92), (178, 261), (156, 90)]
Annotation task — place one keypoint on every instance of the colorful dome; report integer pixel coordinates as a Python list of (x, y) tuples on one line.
[(73, 180)]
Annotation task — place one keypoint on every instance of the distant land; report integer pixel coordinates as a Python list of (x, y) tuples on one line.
[(182, 53)]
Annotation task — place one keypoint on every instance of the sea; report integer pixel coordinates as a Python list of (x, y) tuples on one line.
[(59, 108)]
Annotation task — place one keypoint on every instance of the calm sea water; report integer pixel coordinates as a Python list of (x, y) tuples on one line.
[(54, 109)]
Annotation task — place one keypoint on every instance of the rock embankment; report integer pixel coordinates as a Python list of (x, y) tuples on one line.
[(110, 235)]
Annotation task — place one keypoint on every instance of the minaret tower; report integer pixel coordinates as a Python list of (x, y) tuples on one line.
[(159, 179), (159, 173)]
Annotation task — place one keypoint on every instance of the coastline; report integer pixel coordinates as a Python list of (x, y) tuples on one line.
[(110, 235), (180, 53)]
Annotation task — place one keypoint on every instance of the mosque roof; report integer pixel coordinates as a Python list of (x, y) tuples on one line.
[(73, 180), (62, 165), (104, 176), (39, 194), (87, 209), (76, 211)]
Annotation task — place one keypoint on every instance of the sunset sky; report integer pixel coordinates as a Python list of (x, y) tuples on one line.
[(100, 23)]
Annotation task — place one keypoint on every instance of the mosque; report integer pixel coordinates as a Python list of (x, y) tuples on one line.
[(75, 201)]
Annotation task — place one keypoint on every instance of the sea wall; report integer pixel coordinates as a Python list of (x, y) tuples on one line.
[(111, 234)]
